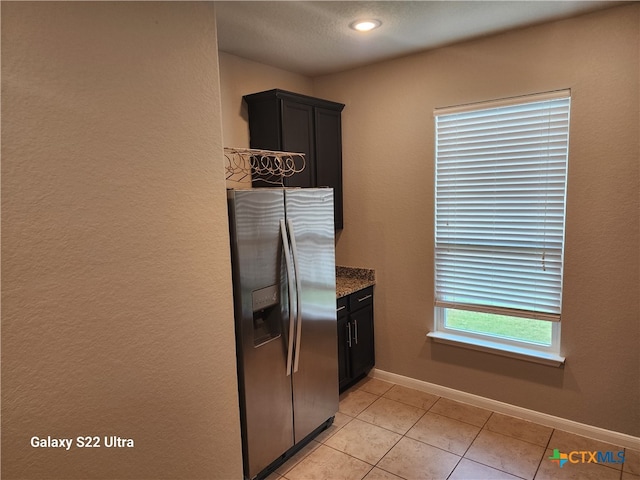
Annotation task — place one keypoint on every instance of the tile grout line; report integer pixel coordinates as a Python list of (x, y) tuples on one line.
[(471, 443), (401, 435), (544, 452), (378, 426)]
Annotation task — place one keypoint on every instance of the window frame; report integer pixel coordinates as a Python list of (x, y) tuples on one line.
[(549, 355)]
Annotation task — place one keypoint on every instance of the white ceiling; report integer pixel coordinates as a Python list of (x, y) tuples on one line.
[(313, 38)]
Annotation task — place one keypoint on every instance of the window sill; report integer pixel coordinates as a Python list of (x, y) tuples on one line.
[(488, 346)]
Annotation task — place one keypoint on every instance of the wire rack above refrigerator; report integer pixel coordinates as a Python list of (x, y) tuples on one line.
[(270, 166)]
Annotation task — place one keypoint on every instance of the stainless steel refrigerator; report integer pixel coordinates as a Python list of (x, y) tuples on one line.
[(283, 257)]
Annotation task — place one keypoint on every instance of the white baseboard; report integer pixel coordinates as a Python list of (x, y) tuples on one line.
[(597, 433)]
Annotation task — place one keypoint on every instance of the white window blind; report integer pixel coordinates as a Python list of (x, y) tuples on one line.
[(501, 173)]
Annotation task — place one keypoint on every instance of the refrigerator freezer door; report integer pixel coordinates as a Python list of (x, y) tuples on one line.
[(315, 384), (261, 310)]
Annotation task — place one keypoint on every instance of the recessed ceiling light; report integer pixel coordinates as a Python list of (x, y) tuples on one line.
[(365, 25)]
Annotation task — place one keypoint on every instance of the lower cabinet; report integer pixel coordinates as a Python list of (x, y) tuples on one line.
[(356, 352)]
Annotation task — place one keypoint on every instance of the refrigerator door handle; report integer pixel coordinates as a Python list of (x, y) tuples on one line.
[(296, 269), (290, 288)]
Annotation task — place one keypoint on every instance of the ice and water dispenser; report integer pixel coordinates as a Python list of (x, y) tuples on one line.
[(267, 317)]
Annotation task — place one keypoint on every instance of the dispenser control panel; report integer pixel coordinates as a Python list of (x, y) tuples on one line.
[(265, 297)]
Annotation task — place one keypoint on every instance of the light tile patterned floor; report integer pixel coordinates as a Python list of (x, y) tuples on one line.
[(389, 432)]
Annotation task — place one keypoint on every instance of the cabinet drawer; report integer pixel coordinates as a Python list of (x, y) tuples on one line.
[(361, 299)]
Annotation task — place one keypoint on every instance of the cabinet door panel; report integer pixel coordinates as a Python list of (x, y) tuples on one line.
[(362, 342), (265, 133), (328, 129), (298, 136), (344, 375)]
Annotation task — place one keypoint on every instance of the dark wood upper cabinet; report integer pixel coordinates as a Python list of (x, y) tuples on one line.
[(290, 122)]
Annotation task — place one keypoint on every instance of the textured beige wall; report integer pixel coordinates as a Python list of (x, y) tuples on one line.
[(388, 136), (117, 316), (388, 193), (240, 77)]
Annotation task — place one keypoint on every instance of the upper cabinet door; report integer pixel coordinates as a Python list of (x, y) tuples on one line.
[(329, 148), (298, 137)]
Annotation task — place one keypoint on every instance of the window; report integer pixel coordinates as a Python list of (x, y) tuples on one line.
[(500, 172)]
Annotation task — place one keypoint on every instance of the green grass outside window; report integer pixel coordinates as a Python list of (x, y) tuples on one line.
[(516, 328)]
